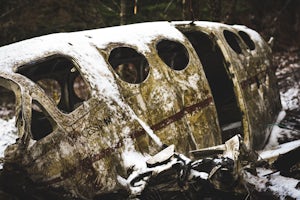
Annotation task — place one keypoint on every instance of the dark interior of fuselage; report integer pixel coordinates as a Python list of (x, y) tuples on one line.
[(214, 65)]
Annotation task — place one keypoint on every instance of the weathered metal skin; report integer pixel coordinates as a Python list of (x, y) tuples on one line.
[(89, 146), (253, 77)]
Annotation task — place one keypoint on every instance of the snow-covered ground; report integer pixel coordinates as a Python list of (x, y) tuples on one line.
[(8, 135), (288, 73), (286, 131), (274, 183)]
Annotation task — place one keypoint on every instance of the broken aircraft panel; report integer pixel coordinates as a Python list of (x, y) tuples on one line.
[(91, 105)]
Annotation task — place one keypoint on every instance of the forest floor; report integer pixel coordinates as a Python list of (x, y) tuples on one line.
[(286, 133), (288, 75), (274, 184)]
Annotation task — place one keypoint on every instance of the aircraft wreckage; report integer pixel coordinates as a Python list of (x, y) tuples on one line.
[(114, 109)]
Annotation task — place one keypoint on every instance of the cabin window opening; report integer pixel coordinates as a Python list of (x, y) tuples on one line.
[(232, 40), (41, 122), (174, 54), (129, 65), (59, 78), (247, 39), (7, 103), (221, 85)]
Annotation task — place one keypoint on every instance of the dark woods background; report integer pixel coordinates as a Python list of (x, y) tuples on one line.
[(22, 19)]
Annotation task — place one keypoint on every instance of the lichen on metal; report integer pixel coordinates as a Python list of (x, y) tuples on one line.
[(191, 85)]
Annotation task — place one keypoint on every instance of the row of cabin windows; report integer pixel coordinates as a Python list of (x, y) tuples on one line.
[(233, 41), (133, 67), (59, 77), (62, 83)]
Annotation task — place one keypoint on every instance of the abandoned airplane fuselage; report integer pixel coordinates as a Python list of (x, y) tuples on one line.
[(91, 105)]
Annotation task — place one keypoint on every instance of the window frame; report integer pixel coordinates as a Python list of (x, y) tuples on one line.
[(71, 86), (139, 53), (186, 51)]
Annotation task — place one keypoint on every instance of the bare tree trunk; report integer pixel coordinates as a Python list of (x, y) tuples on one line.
[(123, 12), (135, 8)]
